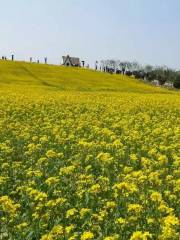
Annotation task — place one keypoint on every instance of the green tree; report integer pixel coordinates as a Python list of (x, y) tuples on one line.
[(176, 83)]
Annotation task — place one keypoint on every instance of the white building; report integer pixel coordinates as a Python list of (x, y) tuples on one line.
[(71, 61)]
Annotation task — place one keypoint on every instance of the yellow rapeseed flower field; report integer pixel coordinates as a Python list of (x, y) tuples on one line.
[(86, 155)]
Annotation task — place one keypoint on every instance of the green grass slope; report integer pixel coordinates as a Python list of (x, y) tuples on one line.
[(64, 78)]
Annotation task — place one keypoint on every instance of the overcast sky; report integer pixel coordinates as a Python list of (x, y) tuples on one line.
[(144, 30)]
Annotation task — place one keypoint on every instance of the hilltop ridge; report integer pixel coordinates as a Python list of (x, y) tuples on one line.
[(67, 78)]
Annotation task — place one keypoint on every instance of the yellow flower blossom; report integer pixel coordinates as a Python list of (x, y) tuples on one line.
[(52, 181), (114, 237), (51, 154), (156, 197), (96, 188), (87, 235), (171, 220), (84, 212), (71, 213), (110, 205), (141, 236), (69, 229), (37, 195), (22, 226), (104, 158), (56, 232), (8, 206), (67, 170), (120, 221), (136, 208)]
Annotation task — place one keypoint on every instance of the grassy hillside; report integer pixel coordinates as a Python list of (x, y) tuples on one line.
[(86, 156), (63, 78)]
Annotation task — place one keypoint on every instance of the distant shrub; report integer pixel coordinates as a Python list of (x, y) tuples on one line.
[(176, 83)]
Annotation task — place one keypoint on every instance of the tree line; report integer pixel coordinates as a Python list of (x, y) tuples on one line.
[(163, 74)]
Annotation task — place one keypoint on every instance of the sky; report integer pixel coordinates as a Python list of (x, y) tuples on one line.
[(147, 31)]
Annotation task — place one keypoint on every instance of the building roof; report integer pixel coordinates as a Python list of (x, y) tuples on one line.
[(73, 60)]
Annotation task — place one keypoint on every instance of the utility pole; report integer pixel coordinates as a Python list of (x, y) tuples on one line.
[(45, 60), (12, 57)]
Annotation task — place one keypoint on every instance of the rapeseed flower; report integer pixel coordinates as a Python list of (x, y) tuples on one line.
[(87, 235), (136, 208), (89, 165), (52, 181), (156, 197), (71, 213), (141, 236)]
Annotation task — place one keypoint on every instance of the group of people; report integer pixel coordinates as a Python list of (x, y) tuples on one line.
[(5, 58), (112, 70)]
